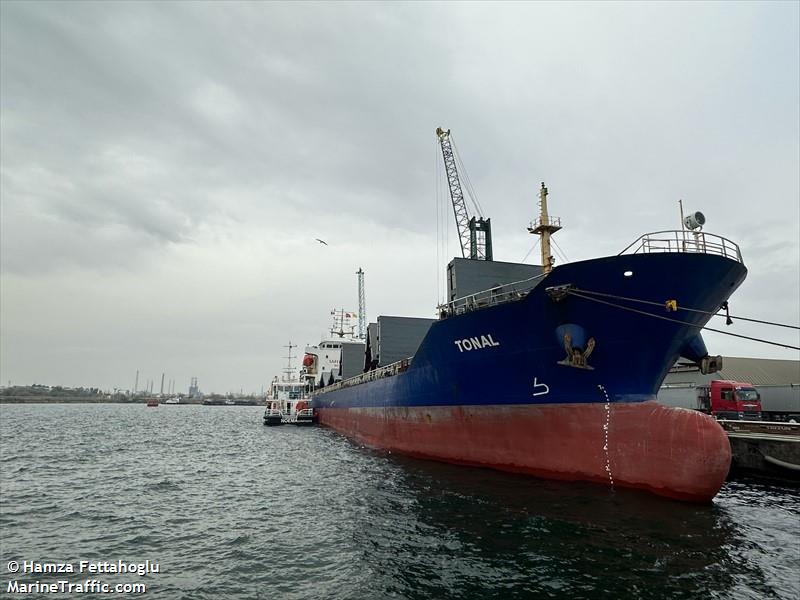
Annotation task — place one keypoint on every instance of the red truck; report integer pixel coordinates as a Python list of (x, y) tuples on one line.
[(726, 399), (721, 398)]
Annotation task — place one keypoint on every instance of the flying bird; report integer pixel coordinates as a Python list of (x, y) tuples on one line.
[(321, 241)]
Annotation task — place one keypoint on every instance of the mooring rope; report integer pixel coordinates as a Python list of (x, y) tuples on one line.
[(695, 310), (574, 292)]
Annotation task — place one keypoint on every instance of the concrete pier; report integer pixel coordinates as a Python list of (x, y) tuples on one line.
[(764, 449)]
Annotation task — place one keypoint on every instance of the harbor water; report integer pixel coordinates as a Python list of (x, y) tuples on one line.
[(228, 508)]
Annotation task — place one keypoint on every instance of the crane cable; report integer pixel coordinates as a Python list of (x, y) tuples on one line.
[(577, 293), (695, 310)]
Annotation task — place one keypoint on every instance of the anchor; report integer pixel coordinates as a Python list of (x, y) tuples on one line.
[(576, 357)]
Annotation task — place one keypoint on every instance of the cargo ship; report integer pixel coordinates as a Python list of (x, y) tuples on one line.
[(555, 374)]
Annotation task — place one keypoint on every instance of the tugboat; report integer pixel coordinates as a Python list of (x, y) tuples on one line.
[(288, 398)]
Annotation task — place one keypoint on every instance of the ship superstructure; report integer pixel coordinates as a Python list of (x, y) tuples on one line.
[(322, 364)]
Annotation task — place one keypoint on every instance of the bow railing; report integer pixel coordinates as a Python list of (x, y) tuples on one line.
[(698, 242)]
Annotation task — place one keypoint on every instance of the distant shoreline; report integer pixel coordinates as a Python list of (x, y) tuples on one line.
[(77, 400)]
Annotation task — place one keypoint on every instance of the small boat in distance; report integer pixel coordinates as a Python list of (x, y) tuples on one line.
[(152, 402), (213, 400)]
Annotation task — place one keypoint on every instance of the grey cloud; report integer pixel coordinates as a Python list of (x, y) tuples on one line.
[(139, 139)]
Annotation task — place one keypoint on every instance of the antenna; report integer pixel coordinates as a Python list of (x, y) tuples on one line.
[(362, 306), (341, 323)]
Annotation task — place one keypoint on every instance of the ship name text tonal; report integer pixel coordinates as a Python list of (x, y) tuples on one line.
[(476, 343)]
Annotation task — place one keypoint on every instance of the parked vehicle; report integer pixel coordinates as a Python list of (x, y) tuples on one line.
[(722, 398), (780, 402)]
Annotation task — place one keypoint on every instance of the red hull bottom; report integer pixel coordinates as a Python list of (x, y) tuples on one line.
[(671, 452)]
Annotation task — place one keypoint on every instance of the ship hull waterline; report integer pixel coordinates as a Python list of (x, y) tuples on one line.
[(672, 452)]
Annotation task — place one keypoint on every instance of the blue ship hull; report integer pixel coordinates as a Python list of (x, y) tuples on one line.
[(631, 357)]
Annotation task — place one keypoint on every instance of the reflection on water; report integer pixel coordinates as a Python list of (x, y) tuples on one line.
[(435, 530)]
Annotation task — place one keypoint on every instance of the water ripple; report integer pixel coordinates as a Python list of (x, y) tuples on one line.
[(231, 509)]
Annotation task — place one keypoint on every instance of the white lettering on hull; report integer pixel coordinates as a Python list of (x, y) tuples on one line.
[(476, 343), (542, 387)]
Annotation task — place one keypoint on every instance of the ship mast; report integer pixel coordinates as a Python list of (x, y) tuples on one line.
[(341, 323), (545, 226), (288, 372)]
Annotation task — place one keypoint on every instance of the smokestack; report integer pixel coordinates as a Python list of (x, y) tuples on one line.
[(162, 384), (136, 384)]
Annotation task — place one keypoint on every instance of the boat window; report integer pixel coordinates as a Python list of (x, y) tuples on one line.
[(727, 394)]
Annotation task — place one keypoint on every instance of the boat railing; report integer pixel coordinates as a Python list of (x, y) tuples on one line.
[(387, 371), (676, 240), (273, 412), (551, 222), (501, 294), (305, 412)]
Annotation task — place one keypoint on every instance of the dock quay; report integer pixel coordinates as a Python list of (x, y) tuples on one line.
[(764, 449)]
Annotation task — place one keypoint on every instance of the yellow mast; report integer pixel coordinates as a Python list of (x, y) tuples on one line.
[(545, 227)]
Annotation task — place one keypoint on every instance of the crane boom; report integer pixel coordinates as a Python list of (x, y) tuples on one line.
[(475, 234), (456, 193)]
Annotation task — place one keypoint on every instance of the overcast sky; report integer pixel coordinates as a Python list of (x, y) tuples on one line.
[(165, 168)]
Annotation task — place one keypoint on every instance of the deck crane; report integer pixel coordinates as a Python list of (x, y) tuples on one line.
[(475, 233)]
